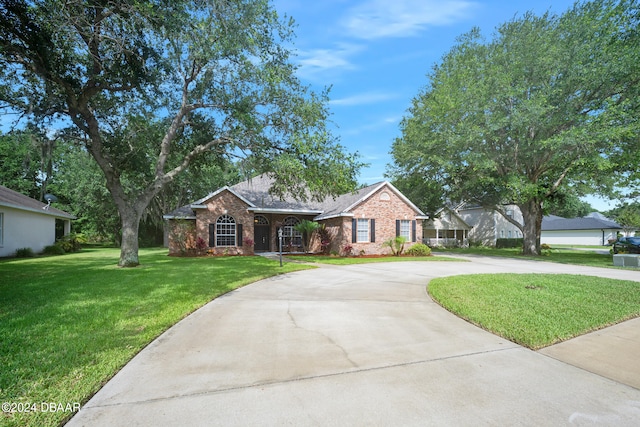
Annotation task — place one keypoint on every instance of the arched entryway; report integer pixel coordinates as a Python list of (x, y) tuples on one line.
[(261, 234)]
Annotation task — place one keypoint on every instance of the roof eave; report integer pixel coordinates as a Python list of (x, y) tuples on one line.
[(285, 211), (40, 211)]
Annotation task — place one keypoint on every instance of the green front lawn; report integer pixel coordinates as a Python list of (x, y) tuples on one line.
[(559, 255), (69, 323), (537, 310)]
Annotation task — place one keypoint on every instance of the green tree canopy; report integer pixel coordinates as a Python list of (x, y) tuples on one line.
[(148, 86), (547, 105)]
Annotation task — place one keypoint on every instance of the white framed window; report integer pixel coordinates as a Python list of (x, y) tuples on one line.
[(362, 230), (226, 231), (291, 237), (405, 229)]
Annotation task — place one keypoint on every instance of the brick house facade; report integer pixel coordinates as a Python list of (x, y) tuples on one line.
[(245, 218)]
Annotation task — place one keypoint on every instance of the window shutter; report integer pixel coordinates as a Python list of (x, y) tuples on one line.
[(397, 227), (239, 234), (354, 230), (413, 230), (212, 235), (373, 230)]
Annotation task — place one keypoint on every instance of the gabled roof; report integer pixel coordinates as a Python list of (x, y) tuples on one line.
[(590, 222), (13, 199), (255, 193)]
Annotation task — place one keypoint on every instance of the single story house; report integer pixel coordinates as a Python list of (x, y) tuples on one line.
[(245, 218), (593, 229), (446, 228), (489, 225), (29, 223)]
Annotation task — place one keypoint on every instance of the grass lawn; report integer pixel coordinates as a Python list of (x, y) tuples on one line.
[(537, 310), (559, 255), (69, 323), (334, 260)]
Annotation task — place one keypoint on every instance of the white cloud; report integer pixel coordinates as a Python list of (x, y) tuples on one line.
[(402, 18), (319, 61), (364, 99)]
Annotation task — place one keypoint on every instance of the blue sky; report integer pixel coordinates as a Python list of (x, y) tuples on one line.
[(375, 54)]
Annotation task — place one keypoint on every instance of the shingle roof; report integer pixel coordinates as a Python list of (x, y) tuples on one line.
[(13, 199), (255, 192), (556, 223)]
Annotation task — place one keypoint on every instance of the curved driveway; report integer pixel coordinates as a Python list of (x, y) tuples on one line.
[(360, 345)]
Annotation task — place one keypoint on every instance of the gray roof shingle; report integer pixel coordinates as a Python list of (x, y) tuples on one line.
[(256, 192), (13, 199), (556, 223)]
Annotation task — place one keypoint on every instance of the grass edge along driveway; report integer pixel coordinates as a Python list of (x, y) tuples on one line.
[(69, 323), (537, 310)]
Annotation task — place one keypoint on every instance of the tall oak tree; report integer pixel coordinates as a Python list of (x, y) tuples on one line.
[(549, 104), (212, 75)]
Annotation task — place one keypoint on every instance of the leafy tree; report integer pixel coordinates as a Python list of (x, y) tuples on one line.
[(628, 216), (547, 104), (149, 86), (27, 162), (567, 205)]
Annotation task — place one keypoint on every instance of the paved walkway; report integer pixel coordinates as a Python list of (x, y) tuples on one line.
[(364, 345)]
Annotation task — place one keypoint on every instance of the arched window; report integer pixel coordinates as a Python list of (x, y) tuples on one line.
[(226, 231), (290, 236), (260, 220)]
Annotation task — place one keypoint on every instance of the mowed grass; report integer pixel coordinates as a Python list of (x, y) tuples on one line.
[(69, 323), (559, 255), (537, 310)]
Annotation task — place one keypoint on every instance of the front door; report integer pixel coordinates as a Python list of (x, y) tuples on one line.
[(261, 238)]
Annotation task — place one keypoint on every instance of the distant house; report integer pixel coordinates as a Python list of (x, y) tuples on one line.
[(446, 228), (594, 229), (245, 218), (490, 225), (28, 223)]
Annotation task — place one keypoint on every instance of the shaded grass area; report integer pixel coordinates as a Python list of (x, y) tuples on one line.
[(334, 260), (537, 310), (69, 323), (559, 255)]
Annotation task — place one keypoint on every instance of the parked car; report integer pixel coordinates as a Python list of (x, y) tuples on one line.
[(629, 245)]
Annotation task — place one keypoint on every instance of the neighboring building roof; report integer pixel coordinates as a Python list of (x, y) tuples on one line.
[(13, 199), (589, 222), (255, 193)]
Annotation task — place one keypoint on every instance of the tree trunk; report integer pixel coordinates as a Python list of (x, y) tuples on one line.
[(532, 216), (129, 244)]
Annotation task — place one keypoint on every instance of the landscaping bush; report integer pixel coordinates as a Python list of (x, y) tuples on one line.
[(72, 242), (396, 245), (419, 249), (545, 246), (53, 250), (509, 243), (24, 253)]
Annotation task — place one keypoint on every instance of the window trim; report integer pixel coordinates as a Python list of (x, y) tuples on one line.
[(363, 226), (231, 231), (405, 229)]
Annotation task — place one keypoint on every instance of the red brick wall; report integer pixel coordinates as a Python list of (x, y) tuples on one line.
[(385, 207), (225, 203)]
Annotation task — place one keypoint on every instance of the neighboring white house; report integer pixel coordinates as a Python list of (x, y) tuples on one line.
[(447, 228), (489, 225), (593, 229), (28, 223)]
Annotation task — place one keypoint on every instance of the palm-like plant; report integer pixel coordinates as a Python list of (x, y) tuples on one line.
[(306, 228)]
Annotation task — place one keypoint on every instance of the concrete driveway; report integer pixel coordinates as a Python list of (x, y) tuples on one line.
[(360, 345)]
